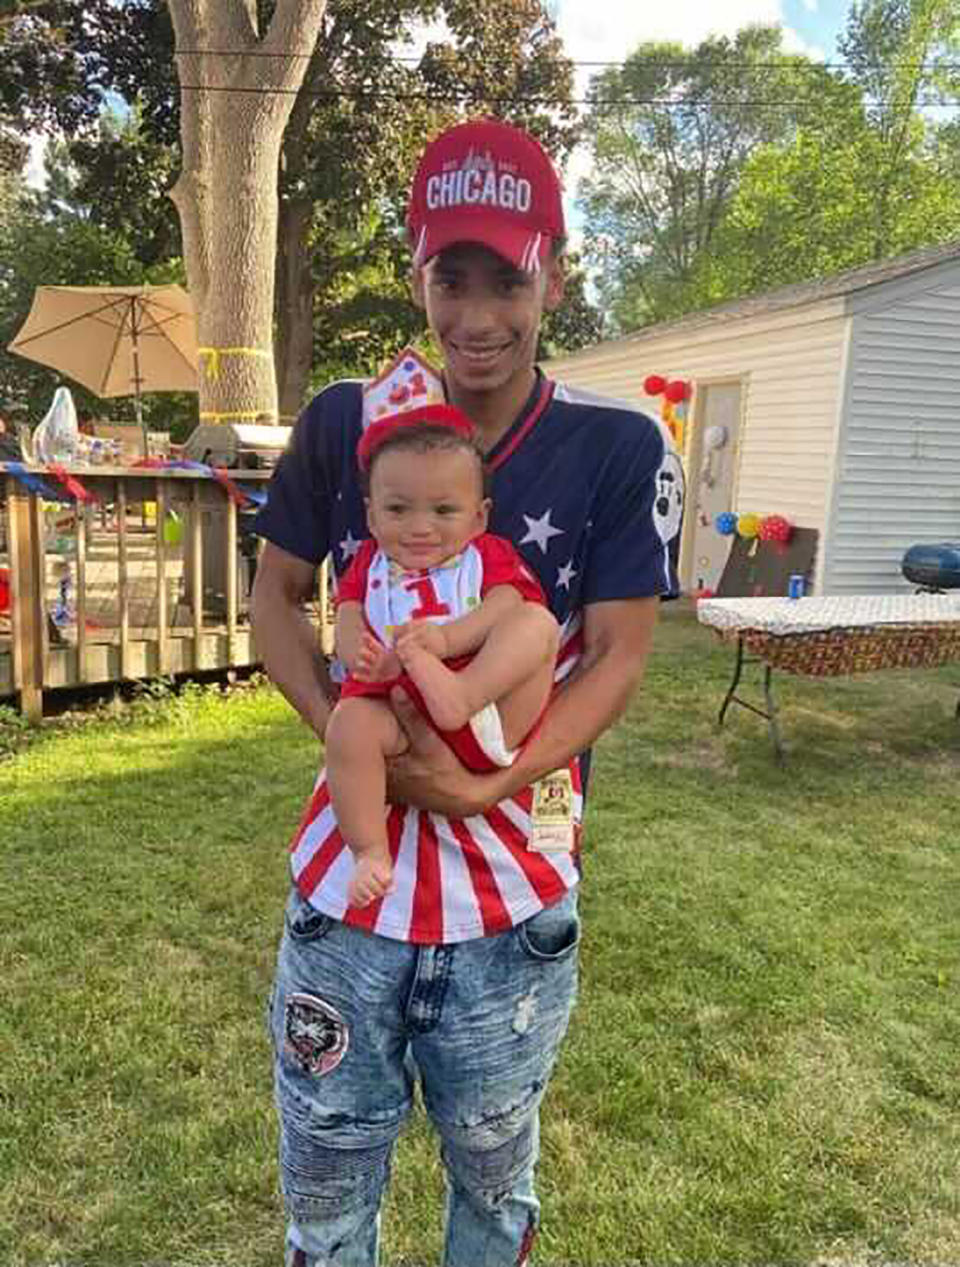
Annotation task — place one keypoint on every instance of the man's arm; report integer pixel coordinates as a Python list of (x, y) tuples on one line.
[(285, 637), (617, 640)]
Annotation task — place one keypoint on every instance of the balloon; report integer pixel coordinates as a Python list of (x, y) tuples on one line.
[(654, 384), (677, 390), (776, 528), (726, 523), (748, 525)]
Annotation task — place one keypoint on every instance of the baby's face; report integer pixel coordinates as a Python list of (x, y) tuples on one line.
[(425, 507)]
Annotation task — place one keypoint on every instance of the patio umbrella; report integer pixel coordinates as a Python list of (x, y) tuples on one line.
[(114, 340)]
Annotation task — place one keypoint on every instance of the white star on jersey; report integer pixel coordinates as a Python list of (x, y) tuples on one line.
[(540, 530), (566, 574), (349, 546)]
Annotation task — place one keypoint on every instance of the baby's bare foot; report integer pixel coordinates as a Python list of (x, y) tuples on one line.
[(375, 662)]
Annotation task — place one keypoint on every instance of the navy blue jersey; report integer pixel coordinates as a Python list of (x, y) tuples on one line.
[(589, 490)]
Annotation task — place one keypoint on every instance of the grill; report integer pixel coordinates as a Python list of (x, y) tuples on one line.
[(933, 567), (237, 446)]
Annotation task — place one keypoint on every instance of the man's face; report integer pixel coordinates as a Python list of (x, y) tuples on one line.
[(485, 313)]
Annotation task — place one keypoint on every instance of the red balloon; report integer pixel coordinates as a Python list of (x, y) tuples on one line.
[(677, 390), (776, 528), (654, 384)]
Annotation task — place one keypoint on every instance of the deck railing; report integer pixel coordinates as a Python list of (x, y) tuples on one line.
[(150, 578)]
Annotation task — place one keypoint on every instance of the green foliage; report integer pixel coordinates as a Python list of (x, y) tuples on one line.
[(121, 179), (710, 191), (670, 132), (52, 73), (865, 177), (577, 323)]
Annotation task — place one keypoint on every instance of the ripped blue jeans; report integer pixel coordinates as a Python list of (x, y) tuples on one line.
[(356, 1018)]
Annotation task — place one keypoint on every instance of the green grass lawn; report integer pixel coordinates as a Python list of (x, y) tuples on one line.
[(765, 1061)]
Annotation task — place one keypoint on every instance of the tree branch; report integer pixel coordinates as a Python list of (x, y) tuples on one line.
[(294, 28)]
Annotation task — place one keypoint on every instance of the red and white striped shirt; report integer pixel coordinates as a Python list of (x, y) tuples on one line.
[(454, 879)]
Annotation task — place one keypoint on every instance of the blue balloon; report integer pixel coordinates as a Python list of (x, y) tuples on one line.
[(726, 523)]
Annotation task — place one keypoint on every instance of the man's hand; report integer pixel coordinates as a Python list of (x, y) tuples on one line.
[(429, 776)]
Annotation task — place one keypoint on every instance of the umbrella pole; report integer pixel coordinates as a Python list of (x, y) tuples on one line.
[(137, 379)]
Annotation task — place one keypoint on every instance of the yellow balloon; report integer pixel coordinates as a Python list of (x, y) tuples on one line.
[(748, 525)]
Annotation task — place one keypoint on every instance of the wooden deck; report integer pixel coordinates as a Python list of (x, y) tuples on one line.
[(151, 580)]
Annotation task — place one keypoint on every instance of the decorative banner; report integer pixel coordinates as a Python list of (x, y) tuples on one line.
[(34, 483), (72, 490), (71, 483), (236, 495)]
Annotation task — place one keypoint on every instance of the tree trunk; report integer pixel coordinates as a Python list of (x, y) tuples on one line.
[(236, 96), (294, 306)]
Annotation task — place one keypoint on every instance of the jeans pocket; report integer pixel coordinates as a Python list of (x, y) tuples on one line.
[(553, 933), (304, 922)]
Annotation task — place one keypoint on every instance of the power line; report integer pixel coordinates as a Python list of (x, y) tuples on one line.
[(465, 96), (787, 61)]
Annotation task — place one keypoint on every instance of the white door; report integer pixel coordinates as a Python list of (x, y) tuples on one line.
[(710, 481)]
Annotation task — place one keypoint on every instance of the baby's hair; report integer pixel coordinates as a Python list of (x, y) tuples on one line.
[(425, 437)]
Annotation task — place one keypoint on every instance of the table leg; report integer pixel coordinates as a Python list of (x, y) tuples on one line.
[(732, 689), (770, 715)]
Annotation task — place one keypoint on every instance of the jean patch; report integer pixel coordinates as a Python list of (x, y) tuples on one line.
[(315, 1035)]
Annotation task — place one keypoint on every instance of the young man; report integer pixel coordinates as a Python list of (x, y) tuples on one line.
[(464, 974)]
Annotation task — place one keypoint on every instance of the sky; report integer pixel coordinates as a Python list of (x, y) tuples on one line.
[(604, 30)]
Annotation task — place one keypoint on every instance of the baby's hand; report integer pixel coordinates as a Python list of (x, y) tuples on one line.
[(422, 634), (372, 879), (375, 662)]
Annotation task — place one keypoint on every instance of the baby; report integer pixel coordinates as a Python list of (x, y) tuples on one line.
[(436, 604)]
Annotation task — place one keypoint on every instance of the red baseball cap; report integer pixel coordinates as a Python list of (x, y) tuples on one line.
[(486, 182)]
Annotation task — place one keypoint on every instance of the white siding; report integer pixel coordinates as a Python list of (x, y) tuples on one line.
[(898, 474), (790, 364)]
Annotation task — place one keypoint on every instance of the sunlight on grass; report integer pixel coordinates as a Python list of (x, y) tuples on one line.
[(762, 1067)]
